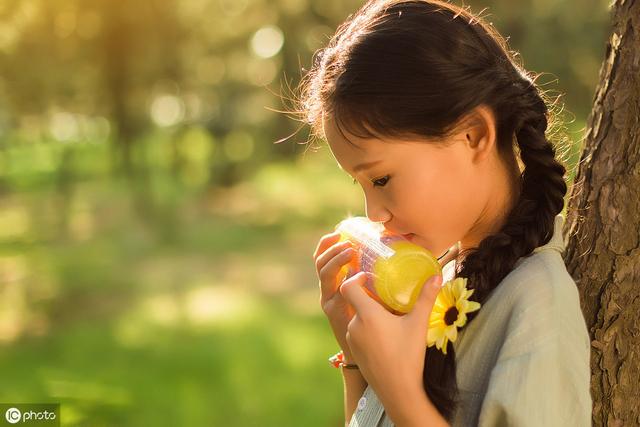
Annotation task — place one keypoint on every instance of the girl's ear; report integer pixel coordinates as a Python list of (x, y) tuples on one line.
[(481, 135)]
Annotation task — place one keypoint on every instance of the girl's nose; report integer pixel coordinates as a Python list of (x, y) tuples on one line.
[(377, 212)]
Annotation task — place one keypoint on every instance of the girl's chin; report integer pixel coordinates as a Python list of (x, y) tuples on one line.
[(416, 240)]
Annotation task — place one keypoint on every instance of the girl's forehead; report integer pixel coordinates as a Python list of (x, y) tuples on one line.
[(343, 141), (355, 150)]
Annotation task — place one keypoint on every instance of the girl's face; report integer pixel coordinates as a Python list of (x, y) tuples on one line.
[(440, 193)]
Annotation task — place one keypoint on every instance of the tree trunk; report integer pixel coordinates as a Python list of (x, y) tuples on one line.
[(603, 224)]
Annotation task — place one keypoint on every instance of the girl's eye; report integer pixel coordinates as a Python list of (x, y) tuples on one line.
[(381, 182)]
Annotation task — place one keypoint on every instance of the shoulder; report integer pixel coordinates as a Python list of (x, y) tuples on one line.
[(541, 371), (540, 277), (544, 303)]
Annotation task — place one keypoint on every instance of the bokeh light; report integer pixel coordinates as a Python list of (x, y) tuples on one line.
[(267, 41)]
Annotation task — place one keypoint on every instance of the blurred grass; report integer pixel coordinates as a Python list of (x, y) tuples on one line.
[(199, 309)]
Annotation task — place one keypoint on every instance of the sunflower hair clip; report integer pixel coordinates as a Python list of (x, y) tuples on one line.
[(450, 313)]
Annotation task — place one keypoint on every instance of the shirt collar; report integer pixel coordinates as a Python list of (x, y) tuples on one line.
[(557, 241)]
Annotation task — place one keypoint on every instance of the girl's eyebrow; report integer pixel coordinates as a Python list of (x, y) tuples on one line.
[(366, 165)]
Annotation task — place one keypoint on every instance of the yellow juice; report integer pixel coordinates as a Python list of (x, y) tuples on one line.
[(397, 268)]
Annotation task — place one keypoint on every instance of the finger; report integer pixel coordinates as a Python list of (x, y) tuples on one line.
[(330, 253), (423, 306), (326, 241), (353, 292), (328, 274)]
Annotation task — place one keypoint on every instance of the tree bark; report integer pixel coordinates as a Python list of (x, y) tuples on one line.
[(603, 225)]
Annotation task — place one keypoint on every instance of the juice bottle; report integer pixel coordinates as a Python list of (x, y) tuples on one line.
[(397, 268)]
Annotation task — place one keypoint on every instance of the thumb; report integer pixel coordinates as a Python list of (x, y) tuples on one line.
[(353, 292), (426, 299)]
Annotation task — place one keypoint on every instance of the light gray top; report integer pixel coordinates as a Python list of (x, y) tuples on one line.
[(524, 359)]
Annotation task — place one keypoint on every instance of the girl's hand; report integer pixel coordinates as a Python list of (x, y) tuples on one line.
[(389, 349), (329, 258)]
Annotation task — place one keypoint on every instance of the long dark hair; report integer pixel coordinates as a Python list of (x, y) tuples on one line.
[(402, 67)]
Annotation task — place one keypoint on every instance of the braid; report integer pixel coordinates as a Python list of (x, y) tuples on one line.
[(531, 221)]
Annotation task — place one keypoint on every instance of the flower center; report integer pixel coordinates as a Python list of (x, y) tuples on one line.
[(451, 316)]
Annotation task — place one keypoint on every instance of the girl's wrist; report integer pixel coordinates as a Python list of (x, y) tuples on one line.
[(347, 358), (339, 360)]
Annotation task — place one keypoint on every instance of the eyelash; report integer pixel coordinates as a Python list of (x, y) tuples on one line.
[(376, 180)]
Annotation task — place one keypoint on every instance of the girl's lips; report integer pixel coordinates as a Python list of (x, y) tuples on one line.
[(408, 236)]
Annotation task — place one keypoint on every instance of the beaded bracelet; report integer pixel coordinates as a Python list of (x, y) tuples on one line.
[(337, 360)]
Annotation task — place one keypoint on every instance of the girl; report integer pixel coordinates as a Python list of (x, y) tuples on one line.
[(424, 105)]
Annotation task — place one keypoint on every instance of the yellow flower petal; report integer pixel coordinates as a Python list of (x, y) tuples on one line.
[(440, 341), (473, 306), (458, 288), (462, 319), (440, 303), (445, 296), (437, 323), (436, 315), (434, 334), (451, 333)]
